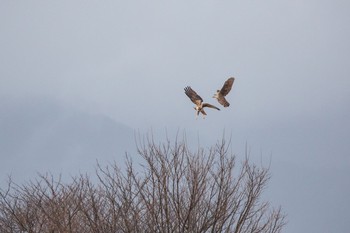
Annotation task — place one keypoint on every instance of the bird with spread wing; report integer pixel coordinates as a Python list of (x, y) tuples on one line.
[(220, 94), (198, 101)]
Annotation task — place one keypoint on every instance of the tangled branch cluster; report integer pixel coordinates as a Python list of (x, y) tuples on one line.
[(175, 190)]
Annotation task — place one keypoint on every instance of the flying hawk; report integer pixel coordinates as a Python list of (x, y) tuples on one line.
[(198, 101), (220, 94)]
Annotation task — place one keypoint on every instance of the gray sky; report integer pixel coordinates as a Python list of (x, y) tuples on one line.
[(124, 64)]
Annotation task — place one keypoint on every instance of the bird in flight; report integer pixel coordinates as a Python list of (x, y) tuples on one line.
[(198, 101), (220, 94)]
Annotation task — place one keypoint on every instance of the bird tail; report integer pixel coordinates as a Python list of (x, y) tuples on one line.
[(224, 102)]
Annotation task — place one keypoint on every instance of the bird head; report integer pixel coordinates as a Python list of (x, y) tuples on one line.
[(216, 95)]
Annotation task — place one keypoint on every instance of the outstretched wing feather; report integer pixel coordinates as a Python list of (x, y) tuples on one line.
[(223, 101), (210, 106), (194, 97), (226, 88)]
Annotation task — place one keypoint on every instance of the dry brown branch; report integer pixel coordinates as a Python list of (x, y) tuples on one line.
[(174, 190)]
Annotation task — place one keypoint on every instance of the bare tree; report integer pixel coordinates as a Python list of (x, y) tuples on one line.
[(173, 190)]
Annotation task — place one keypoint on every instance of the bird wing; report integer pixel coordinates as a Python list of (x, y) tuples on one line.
[(194, 97), (210, 106), (223, 101), (226, 88)]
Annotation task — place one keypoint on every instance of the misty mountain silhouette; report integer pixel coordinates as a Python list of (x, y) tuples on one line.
[(43, 136)]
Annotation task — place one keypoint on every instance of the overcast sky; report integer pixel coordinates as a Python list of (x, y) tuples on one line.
[(114, 67)]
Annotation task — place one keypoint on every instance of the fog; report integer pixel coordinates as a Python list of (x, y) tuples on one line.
[(78, 80)]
